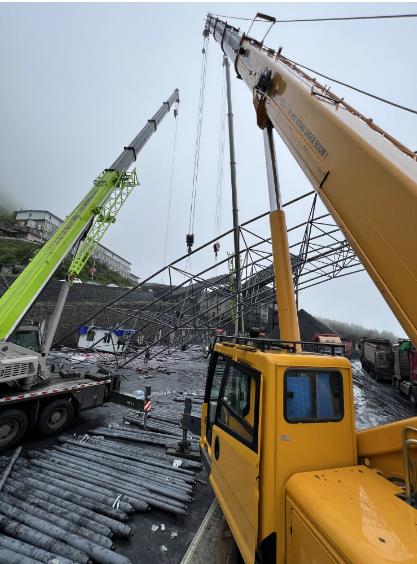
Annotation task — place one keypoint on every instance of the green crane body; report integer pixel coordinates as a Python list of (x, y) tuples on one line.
[(16, 301)]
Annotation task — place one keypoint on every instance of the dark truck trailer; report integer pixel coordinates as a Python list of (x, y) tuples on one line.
[(404, 379), (377, 357)]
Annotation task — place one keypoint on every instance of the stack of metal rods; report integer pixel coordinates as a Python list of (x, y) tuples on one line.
[(145, 454), (44, 518), (139, 436), (156, 426)]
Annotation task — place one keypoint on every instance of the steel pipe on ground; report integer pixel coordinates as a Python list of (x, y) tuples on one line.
[(82, 491), (58, 521), (138, 450), (129, 437), (96, 552), (108, 473), (164, 478), (96, 478), (186, 475), (8, 556), (160, 487), (26, 549), (29, 479), (33, 536), (74, 476), (75, 518)]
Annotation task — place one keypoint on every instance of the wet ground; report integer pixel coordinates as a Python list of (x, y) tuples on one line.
[(375, 403)]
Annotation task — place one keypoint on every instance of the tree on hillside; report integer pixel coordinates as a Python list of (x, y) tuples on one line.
[(354, 331)]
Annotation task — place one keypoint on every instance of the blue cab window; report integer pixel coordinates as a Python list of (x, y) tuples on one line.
[(313, 396)]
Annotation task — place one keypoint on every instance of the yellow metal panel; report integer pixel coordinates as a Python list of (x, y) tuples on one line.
[(358, 513), (381, 447), (234, 478), (303, 545)]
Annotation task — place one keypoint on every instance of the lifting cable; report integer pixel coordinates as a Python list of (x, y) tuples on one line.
[(220, 166), (190, 235), (171, 179), (405, 108)]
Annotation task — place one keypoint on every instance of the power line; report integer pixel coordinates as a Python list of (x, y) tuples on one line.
[(347, 18), (389, 102)]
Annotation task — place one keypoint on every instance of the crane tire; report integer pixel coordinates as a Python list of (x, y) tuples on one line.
[(55, 417), (13, 427)]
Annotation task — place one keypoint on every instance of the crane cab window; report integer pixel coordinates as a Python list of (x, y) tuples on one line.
[(313, 396), (237, 411)]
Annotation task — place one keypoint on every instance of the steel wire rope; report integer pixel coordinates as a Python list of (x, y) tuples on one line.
[(220, 162), (220, 166), (302, 20), (171, 181), (374, 96), (198, 133)]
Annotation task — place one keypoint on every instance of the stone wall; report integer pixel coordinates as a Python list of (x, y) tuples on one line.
[(83, 302)]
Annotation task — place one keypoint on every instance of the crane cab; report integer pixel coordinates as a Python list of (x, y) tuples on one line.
[(269, 413)]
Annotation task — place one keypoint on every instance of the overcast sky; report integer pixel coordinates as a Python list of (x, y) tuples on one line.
[(80, 80)]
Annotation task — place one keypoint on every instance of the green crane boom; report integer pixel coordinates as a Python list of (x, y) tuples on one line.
[(26, 288)]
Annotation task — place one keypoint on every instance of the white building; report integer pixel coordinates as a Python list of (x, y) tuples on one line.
[(39, 225)]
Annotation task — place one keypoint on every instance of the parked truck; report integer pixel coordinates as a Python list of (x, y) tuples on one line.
[(404, 379), (329, 343), (377, 357)]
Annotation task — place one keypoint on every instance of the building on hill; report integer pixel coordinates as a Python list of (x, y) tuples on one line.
[(39, 225)]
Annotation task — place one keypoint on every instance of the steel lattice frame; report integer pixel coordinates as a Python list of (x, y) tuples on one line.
[(192, 305)]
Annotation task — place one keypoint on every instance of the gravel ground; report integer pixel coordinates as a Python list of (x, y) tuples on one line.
[(375, 403)]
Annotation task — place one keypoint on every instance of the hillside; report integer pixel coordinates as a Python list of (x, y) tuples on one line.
[(16, 253), (354, 332)]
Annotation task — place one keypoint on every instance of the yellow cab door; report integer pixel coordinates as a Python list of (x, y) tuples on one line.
[(234, 433)]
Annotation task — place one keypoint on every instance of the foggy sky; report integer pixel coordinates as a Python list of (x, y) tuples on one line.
[(80, 80)]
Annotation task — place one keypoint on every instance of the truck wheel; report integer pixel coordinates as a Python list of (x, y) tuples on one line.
[(13, 426), (55, 417)]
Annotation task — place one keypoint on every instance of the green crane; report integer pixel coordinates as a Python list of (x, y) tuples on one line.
[(84, 226)]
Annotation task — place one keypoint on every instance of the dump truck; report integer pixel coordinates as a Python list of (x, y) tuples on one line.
[(404, 379), (377, 357)]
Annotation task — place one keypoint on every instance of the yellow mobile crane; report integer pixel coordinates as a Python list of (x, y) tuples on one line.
[(295, 481)]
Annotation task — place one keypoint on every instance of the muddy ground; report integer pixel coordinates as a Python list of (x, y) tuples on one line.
[(375, 403)]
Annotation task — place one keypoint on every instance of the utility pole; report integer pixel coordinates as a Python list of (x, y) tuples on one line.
[(235, 210)]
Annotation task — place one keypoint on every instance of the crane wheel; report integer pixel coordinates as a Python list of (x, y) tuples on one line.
[(55, 417), (13, 426)]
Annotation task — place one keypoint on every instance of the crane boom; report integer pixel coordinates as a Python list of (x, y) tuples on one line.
[(25, 289), (366, 178)]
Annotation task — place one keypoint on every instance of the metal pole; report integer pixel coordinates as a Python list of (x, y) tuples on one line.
[(55, 318), (284, 285), (234, 190)]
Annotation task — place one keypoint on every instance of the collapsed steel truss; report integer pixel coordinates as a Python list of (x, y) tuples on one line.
[(188, 307)]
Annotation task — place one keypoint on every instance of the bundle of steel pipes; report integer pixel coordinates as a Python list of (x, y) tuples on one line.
[(44, 516), (69, 501)]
